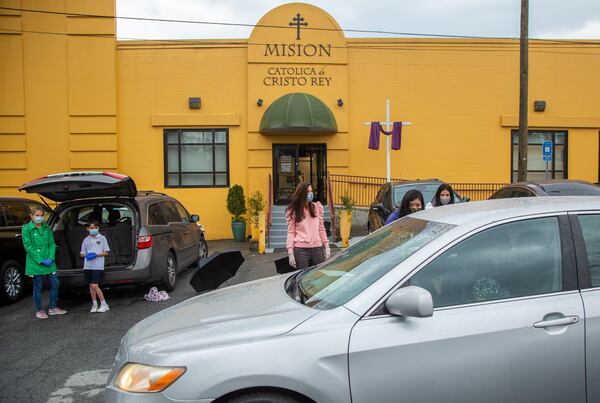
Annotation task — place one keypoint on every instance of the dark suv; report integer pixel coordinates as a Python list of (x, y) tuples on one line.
[(390, 196), (151, 235), (14, 212)]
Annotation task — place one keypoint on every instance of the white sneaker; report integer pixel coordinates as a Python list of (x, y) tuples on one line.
[(103, 308), (94, 308)]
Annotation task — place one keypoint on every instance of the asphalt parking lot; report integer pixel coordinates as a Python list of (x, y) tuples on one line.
[(68, 358)]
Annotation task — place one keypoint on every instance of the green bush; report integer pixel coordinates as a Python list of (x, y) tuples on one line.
[(256, 204), (236, 202), (347, 203)]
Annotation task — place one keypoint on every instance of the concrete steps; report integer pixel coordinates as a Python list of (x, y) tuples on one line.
[(278, 233)]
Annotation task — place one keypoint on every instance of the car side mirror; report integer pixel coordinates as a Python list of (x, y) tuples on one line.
[(195, 218), (410, 301)]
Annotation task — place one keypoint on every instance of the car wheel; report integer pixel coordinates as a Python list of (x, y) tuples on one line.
[(203, 249), (202, 252), (13, 281), (171, 273), (266, 397)]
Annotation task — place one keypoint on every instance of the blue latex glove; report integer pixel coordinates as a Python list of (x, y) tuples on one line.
[(47, 262), (90, 256)]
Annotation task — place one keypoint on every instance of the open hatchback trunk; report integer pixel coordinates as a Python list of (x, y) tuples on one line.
[(85, 196), (81, 185)]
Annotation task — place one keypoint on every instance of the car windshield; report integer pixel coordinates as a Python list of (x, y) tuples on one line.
[(338, 280), (571, 189), (427, 189)]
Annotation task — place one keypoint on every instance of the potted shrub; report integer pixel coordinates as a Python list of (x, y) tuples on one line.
[(256, 204), (346, 219), (236, 204)]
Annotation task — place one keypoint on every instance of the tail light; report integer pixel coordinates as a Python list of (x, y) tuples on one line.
[(144, 242), (114, 175)]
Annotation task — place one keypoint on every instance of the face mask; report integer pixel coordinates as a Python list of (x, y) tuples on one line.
[(445, 200), (38, 219), (94, 231), (310, 196), (414, 209)]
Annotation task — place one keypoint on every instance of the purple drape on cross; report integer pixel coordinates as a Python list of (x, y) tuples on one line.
[(396, 133)]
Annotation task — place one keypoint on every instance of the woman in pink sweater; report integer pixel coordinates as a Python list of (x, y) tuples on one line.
[(307, 243)]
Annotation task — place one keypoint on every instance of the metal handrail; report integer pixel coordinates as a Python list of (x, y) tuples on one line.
[(363, 189), (269, 212), (331, 209)]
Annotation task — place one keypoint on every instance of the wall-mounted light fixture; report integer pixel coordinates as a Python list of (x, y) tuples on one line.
[(340, 102), (539, 106), (259, 102), (194, 102)]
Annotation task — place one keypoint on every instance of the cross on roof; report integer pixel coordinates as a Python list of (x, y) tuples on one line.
[(297, 21)]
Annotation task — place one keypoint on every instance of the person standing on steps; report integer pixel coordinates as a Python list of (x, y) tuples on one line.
[(307, 242)]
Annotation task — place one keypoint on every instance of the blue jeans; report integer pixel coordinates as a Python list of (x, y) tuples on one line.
[(38, 282)]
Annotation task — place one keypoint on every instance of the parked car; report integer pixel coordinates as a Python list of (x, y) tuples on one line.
[(14, 212), (556, 187), (390, 196), (152, 237), (474, 302)]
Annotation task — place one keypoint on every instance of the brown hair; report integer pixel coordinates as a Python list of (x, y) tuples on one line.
[(94, 223), (35, 209), (299, 202)]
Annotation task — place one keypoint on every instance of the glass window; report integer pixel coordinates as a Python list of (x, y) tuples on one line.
[(510, 260), (196, 158), (183, 214), (347, 274), (536, 166), (572, 189), (520, 192), (170, 212), (16, 214), (2, 219), (590, 227), (427, 189), (155, 215)]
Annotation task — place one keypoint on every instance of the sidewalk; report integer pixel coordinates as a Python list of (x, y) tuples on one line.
[(256, 266)]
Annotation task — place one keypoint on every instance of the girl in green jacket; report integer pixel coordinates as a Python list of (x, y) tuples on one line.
[(40, 248)]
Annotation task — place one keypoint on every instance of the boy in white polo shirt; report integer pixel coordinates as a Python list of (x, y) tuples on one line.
[(93, 250)]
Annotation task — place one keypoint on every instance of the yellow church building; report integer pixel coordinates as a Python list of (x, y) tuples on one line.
[(291, 102)]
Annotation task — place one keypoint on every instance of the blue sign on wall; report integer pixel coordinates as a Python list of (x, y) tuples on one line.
[(547, 151)]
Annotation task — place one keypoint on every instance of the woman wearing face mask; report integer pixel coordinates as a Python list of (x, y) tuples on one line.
[(411, 203), (39, 245), (443, 196), (307, 242)]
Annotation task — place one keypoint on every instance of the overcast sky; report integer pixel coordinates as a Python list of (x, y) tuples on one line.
[(573, 19)]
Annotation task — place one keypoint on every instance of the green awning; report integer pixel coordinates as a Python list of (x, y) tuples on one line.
[(298, 113)]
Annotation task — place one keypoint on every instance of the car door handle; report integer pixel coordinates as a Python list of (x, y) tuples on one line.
[(18, 235), (567, 320), (186, 232)]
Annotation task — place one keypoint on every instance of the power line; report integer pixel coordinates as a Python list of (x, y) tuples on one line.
[(413, 34), (398, 46)]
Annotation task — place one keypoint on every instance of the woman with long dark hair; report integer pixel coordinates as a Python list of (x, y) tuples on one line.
[(411, 203), (443, 196), (307, 242)]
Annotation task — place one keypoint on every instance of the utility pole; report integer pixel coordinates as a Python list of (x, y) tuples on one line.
[(524, 72)]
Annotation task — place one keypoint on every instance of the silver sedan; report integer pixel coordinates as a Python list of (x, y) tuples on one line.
[(494, 301)]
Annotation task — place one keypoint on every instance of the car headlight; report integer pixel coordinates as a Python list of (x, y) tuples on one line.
[(141, 378)]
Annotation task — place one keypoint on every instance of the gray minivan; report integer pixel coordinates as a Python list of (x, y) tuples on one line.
[(151, 236)]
